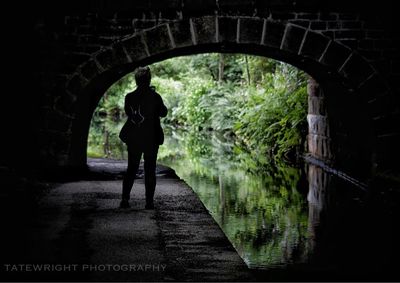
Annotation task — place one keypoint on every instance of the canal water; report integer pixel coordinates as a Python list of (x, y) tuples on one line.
[(263, 213), (282, 217), (295, 220)]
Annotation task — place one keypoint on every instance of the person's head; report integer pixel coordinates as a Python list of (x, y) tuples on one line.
[(143, 76)]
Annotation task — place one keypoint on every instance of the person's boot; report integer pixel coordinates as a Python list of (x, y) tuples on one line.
[(124, 204)]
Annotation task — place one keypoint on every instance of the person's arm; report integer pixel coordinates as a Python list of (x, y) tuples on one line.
[(128, 109), (163, 109)]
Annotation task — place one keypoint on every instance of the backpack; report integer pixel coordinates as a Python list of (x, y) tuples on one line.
[(135, 120)]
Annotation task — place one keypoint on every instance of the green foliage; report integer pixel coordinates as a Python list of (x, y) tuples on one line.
[(259, 102), (173, 94), (276, 124), (195, 108), (207, 66), (171, 69)]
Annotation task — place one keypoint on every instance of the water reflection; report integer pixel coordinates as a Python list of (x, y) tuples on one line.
[(278, 216), (264, 213), (103, 138), (318, 201)]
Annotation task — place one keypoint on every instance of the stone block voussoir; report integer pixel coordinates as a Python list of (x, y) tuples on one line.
[(314, 45), (205, 29), (356, 70), (181, 33), (90, 70), (158, 39), (227, 29), (335, 55), (293, 38), (250, 30), (135, 47), (273, 34), (112, 57)]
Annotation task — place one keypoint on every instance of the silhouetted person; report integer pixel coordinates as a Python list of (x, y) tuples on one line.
[(143, 134)]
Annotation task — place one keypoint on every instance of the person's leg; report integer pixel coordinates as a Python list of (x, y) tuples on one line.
[(150, 159), (129, 178)]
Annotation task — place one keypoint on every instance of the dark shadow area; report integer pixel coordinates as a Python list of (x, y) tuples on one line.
[(58, 207), (354, 235)]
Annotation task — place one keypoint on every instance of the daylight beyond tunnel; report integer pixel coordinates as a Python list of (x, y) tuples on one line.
[(236, 133), (258, 104)]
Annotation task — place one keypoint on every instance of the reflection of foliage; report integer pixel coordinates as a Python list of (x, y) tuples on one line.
[(262, 214), (103, 138), (107, 121)]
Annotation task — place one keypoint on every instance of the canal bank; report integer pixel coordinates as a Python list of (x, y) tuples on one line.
[(76, 232), (78, 224)]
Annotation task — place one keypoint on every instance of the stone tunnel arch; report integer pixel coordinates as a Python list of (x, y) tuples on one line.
[(345, 77)]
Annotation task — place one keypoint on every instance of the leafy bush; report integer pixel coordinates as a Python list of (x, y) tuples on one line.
[(259, 102)]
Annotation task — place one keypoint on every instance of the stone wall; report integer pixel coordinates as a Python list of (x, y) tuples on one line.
[(80, 49), (319, 137)]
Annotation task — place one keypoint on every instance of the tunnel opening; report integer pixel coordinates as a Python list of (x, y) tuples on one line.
[(336, 92), (201, 89), (336, 145), (352, 140), (239, 192), (345, 83)]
